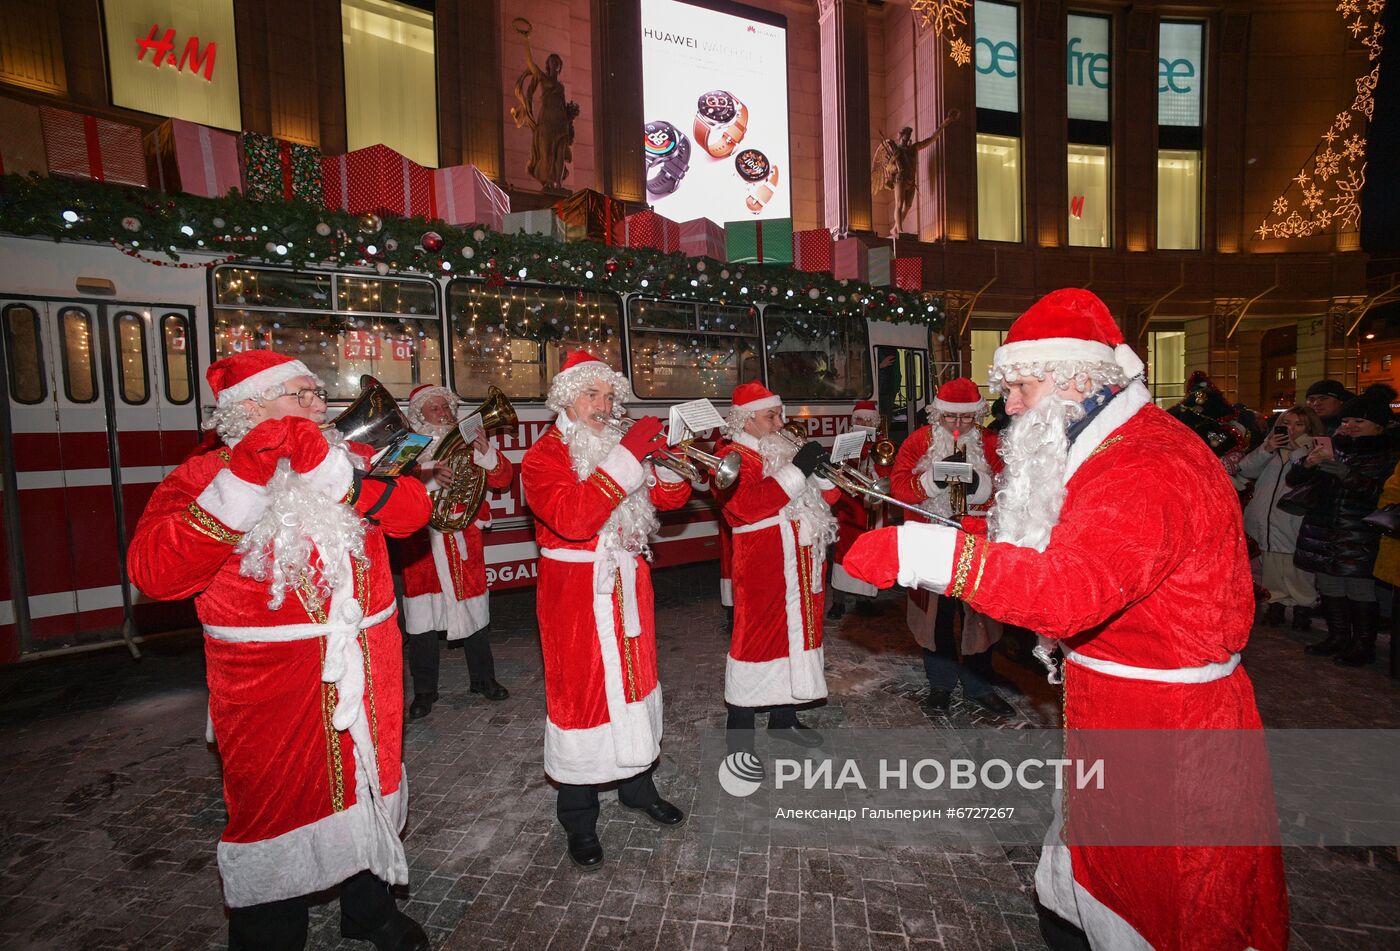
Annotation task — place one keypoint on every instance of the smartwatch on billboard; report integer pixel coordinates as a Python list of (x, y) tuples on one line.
[(668, 157), (720, 122), (759, 174)]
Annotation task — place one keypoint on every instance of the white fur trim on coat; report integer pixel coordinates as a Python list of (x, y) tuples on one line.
[(792, 480), (259, 383), (439, 612), (486, 460), (842, 581), (926, 556), (313, 857), (232, 501), (333, 475), (726, 592), (624, 469), (769, 683), (589, 756)]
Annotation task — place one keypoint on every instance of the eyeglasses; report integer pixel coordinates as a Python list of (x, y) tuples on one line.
[(305, 397), (958, 418)]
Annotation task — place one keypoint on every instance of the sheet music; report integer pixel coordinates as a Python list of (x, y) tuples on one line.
[(848, 445), (695, 418), (952, 472), (470, 427)]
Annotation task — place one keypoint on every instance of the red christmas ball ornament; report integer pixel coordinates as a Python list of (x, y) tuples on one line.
[(611, 266), (431, 241), (578, 298), (891, 300)]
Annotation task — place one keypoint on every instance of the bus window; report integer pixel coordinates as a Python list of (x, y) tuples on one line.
[(175, 347), (807, 364), (686, 350), (79, 368), (24, 355), (131, 358), (496, 331), (340, 326)]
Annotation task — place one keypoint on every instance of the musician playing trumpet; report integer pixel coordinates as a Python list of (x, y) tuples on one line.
[(954, 434), (444, 573), (594, 497), (856, 515)]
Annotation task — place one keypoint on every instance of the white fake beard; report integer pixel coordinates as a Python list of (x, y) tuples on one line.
[(1031, 491), (817, 526), (302, 535), (634, 521), (940, 447)]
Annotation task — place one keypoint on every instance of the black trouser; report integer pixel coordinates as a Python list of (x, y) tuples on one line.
[(423, 659), (941, 664), (578, 804), (1059, 934), (739, 728), (365, 904)]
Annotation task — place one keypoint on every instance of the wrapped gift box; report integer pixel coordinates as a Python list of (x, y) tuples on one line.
[(541, 221), (702, 238), (811, 251), (87, 147), (762, 242), (192, 158), (909, 274), (21, 139), (277, 170), (877, 263), (848, 261), (462, 195), (590, 216), (377, 179), (647, 229)]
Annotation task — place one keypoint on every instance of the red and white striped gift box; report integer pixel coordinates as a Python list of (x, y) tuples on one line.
[(192, 158), (462, 195), (377, 179), (701, 238), (848, 260), (87, 147)]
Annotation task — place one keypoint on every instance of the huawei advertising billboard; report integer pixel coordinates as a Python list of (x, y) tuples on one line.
[(715, 97)]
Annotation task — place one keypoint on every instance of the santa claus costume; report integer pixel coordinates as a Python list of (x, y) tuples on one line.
[(955, 427), (855, 515), (594, 502), (444, 573), (280, 539), (780, 518), (1117, 537)]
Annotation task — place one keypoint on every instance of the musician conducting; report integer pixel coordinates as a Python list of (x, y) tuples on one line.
[(594, 498), (781, 519), (444, 572), (954, 434), (279, 537)]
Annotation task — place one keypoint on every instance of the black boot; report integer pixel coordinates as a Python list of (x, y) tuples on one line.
[(1273, 614), (836, 610), (1365, 625), (1302, 618), (1334, 612)]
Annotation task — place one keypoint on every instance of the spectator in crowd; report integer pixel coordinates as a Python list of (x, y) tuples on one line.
[(1346, 475), (1250, 422), (1388, 567), (1325, 398), (1274, 530)]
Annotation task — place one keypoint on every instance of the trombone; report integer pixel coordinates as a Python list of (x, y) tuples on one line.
[(684, 461), (852, 482)]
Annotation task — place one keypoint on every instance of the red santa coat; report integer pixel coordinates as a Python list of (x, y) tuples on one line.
[(435, 562), (306, 703), (1146, 583), (854, 518), (775, 651), (596, 615)]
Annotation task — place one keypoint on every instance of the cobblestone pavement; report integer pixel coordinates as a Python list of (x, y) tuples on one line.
[(110, 807)]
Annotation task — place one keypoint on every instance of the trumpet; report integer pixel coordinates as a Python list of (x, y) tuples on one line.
[(851, 481), (684, 462)]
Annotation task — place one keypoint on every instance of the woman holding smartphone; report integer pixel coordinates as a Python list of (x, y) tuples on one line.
[(1333, 542), (1274, 530)]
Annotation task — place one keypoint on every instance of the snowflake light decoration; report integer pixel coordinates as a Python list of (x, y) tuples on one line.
[(946, 17), (1331, 179)]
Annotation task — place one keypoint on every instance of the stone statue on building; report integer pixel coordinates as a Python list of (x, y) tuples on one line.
[(896, 168), (551, 119)]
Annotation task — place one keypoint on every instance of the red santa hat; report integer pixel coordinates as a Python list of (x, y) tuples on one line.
[(1070, 325), (754, 396), (250, 374), (420, 396), (580, 369), (959, 395), (865, 413)]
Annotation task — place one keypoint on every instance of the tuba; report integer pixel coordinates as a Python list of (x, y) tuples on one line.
[(468, 486), (372, 417)]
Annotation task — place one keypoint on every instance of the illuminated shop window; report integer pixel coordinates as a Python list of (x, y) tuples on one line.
[(999, 165), (390, 78), (1180, 80), (1088, 75)]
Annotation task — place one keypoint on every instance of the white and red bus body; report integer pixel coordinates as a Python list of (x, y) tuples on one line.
[(103, 373)]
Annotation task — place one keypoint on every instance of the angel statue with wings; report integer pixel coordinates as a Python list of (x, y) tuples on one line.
[(896, 168), (551, 121)]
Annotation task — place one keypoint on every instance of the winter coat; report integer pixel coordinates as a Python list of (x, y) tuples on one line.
[(1388, 560), (1273, 529), (1332, 539)]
